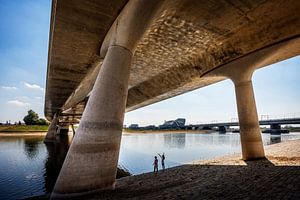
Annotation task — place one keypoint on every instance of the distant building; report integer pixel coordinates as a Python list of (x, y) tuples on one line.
[(133, 126), (173, 124)]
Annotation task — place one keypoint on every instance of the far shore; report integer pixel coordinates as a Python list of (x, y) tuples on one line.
[(33, 133), (129, 131), (23, 129)]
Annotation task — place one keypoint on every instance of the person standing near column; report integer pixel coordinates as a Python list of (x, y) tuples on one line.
[(162, 157), (155, 164)]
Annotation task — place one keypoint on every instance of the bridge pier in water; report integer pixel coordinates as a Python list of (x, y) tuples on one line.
[(62, 130), (50, 136), (251, 140), (275, 126)]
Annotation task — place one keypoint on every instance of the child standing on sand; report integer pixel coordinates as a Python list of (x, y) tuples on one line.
[(155, 164)]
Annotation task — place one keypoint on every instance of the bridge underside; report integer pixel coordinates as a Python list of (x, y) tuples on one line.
[(106, 57), (186, 41)]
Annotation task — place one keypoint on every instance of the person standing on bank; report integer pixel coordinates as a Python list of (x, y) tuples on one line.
[(155, 164), (162, 157)]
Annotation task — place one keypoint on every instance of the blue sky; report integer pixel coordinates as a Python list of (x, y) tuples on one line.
[(24, 32), (276, 89)]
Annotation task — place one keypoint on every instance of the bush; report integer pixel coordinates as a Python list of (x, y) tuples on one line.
[(32, 118)]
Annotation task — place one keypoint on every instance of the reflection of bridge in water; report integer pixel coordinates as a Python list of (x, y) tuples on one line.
[(275, 124), (175, 140)]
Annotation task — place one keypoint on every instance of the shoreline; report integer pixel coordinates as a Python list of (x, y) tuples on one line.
[(23, 128), (126, 131), (227, 177), (23, 133)]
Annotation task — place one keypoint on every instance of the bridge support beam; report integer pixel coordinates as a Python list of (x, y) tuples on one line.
[(50, 137), (251, 140), (91, 162)]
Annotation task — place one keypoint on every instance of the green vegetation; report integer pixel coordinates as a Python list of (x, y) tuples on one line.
[(32, 121), (32, 118), (23, 128), (292, 128)]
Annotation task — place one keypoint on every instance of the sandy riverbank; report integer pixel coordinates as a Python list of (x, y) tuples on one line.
[(14, 134), (277, 177)]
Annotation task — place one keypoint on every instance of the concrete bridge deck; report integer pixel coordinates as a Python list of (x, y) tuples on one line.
[(186, 40)]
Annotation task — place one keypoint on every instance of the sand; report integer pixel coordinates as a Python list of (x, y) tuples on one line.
[(229, 177)]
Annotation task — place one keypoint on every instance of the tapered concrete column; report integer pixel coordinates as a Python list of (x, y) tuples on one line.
[(91, 162), (50, 137), (251, 141), (240, 72)]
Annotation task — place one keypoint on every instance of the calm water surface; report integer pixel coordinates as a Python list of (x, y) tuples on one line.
[(29, 168)]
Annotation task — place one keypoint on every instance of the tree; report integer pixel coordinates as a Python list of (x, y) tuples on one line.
[(32, 118), (42, 122)]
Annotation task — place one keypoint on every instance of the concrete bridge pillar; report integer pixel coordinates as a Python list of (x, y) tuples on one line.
[(62, 130), (50, 137), (222, 129), (251, 140), (91, 162), (275, 126)]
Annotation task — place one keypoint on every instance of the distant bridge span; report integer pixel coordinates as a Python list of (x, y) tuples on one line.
[(261, 122)]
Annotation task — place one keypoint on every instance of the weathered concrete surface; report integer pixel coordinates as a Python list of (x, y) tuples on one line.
[(185, 42), (91, 163), (77, 30), (277, 177), (50, 136), (251, 140)]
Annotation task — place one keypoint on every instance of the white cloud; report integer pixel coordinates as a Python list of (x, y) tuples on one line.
[(23, 98), (33, 86), (17, 103), (9, 88), (39, 98)]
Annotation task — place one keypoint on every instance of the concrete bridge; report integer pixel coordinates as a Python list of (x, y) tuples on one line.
[(109, 57), (274, 124)]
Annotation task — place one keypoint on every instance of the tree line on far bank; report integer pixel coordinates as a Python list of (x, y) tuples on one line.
[(32, 118)]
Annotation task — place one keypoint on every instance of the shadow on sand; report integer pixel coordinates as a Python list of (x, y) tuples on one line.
[(258, 179)]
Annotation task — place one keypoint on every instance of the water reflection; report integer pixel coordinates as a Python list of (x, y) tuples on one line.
[(174, 140), (56, 155), (29, 168), (275, 139), (31, 148)]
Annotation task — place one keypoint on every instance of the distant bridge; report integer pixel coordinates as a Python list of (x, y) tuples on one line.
[(274, 123)]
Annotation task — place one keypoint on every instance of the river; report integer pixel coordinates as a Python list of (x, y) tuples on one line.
[(29, 168)]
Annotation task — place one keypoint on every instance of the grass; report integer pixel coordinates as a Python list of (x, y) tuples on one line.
[(292, 129), (24, 128)]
